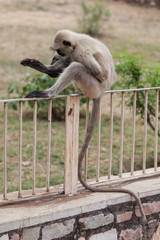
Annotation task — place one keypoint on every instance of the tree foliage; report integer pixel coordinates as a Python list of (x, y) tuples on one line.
[(135, 73)]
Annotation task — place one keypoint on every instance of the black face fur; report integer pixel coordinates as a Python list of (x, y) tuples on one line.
[(66, 43), (60, 53)]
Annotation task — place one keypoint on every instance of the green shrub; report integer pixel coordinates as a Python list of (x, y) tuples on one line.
[(135, 73), (36, 82), (92, 15)]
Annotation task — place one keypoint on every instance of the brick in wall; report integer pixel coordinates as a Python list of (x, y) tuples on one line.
[(15, 237), (130, 234), (96, 221), (31, 233), (109, 235), (149, 208), (4, 237), (156, 235), (58, 230), (126, 216)]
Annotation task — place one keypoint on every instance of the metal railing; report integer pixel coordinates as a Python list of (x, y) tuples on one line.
[(145, 172), (72, 142)]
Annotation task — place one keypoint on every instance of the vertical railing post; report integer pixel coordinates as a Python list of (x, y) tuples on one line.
[(71, 145), (20, 152), (98, 145), (86, 155), (133, 131), (145, 133), (5, 153), (156, 131), (121, 136), (111, 136), (49, 144), (34, 148)]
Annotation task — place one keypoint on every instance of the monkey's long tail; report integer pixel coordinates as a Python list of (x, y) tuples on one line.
[(90, 128)]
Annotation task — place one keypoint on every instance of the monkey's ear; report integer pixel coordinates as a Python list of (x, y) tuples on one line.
[(66, 43)]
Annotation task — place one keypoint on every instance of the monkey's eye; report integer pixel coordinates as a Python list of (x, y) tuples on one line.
[(66, 43)]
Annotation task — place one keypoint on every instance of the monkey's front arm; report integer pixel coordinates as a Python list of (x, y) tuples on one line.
[(33, 63), (53, 70), (57, 66)]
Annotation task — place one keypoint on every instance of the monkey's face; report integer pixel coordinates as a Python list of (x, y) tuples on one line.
[(63, 48), (62, 45)]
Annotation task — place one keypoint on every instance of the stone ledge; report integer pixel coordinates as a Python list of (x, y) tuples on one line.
[(47, 210)]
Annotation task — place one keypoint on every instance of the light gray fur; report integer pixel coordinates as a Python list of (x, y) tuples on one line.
[(91, 64)]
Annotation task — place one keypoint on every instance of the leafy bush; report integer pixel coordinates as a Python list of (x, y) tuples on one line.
[(135, 73), (92, 15), (39, 82)]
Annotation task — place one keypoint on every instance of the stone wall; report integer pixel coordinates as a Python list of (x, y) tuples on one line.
[(114, 222), (152, 3)]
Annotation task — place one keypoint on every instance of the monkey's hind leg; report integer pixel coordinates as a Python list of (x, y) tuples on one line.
[(84, 81)]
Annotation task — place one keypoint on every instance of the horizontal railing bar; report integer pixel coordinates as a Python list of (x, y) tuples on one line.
[(65, 96), (31, 198), (32, 99), (132, 90), (127, 178)]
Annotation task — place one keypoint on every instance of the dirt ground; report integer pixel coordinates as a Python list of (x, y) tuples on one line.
[(27, 28)]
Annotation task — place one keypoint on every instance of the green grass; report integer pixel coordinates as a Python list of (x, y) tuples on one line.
[(148, 51), (57, 148)]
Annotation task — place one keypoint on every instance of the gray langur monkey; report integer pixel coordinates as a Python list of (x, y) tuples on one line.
[(89, 64)]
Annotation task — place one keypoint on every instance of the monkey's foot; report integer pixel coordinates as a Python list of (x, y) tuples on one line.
[(37, 94)]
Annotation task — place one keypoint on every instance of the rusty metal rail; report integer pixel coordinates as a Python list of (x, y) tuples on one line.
[(72, 141)]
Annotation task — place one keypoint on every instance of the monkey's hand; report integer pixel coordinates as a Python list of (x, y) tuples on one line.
[(33, 63), (37, 94)]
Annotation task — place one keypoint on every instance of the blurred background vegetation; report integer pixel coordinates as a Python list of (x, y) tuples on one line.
[(27, 29)]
